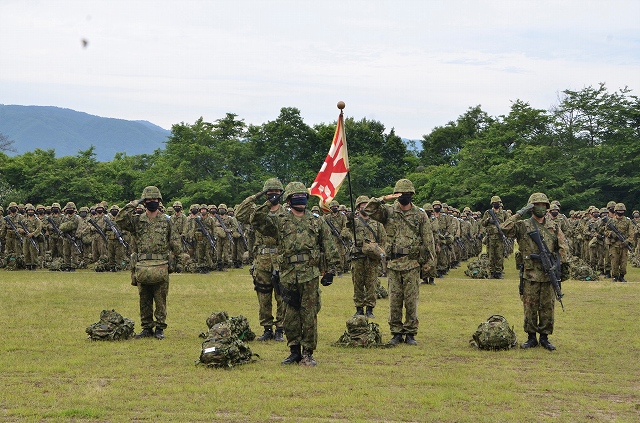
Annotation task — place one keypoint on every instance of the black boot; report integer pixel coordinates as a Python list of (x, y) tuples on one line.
[(531, 342), (146, 333), (432, 281), (279, 336), (607, 274), (159, 333), (498, 275), (307, 358), (620, 278), (267, 335), (544, 341), (397, 339), (359, 311), (370, 314), (410, 340), (295, 356)]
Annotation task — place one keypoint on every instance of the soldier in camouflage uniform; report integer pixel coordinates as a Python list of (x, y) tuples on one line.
[(265, 262), (155, 240), (618, 249), (445, 238), (428, 277), (636, 226), (3, 234), (410, 247), (98, 243), (13, 247), (202, 250), (116, 252), (538, 296), (224, 228), (55, 242), (364, 268), (495, 243), (83, 234), (180, 224), (34, 226), (69, 225), (300, 240), (338, 220)]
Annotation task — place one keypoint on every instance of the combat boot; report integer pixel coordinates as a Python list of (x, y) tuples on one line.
[(615, 279), (370, 314), (159, 333), (359, 311), (531, 342), (397, 339), (295, 356), (498, 275), (410, 340), (432, 281), (146, 333), (307, 358), (607, 274), (267, 335), (620, 279), (279, 336), (544, 341)]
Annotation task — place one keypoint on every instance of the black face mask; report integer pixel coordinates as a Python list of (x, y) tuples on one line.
[(177, 209), (298, 203), (70, 212), (429, 213), (496, 205), (620, 213), (47, 212), (636, 215), (114, 213), (83, 214), (194, 212), (334, 209), (30, 213), (554, 213), (596, 215), (13, 209), (55, 210), (152, 205), (405, 199), (139, 211), (437, 209), (40, 212), (100, 211), (223, 211)]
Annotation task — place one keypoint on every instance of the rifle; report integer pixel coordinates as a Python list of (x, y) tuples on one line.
[(26, 231), (117, 232), (226, 230), (186, 244), (244, 239), (64, 234), (10, 222), (206, 233), (507, 243), (460, 244), (335, 232), (100, 231), (550, 263), (621, 237)]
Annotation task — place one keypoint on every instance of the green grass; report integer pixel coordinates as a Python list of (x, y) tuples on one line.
[(49, 371)]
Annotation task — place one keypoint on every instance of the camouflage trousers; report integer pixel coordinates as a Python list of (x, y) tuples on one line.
[(618, 258), (538, 300), (12, 245), (443, 258), (495, 253), (364, 275), (203, 253), (223, 256), (404, 290), (116, 253), (150, 293), (30, 253), (301, 325), (265, 301), (70, 255), (55, 247), (99, 249)]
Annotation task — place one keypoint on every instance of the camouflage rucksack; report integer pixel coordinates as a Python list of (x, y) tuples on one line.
[(579, 270), (239, 325), (381, 292), (478, 268), (494, 334), (360, 333), (222, 348), (111, 327)]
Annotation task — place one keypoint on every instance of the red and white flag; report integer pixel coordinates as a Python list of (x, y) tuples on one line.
[(333, 170)]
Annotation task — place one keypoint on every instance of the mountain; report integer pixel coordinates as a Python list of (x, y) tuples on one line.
[(67, 132)]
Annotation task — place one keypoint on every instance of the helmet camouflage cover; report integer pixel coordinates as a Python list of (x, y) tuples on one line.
[(620, 207), (295, 188), (151, 192), (272, 184), (362, 199), (404, 185), (539, 197), (496, 199)]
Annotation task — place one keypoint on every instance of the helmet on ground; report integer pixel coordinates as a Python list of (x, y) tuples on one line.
[(295, 188), (404, 185), (620, 207), (272, 184), (539, 197), (151, 192), (496, 199), (362, 199)]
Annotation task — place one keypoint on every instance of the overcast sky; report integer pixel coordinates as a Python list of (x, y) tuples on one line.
[(412, 65)]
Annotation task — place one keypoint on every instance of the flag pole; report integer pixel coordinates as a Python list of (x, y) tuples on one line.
[(341, 106)]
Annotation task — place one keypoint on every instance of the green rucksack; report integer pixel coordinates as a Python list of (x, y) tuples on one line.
[(222, 348), (111, 327), (494, 334), (361, 333), (478, 268), (239, 325)]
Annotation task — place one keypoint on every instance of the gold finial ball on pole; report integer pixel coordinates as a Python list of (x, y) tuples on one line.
[(341, 105)]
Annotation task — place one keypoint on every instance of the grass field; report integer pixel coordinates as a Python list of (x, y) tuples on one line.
[(51, 372)]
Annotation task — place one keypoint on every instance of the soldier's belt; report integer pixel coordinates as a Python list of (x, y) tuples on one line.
[(142, 257), (401, 251), (297, 258), (268, 251)]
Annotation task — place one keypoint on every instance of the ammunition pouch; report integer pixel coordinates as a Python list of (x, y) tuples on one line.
[(290, 297)]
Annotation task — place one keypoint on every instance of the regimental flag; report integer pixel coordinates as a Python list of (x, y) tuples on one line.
[(333, 170)]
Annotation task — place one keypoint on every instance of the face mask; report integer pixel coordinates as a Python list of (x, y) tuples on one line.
[(40, 212), (70, 212), (114, 213), (334, 209), (13, 209), (177, 209), (298, 203), (223, 211), (429, 213), (620, 213), (83, 214), (47, 212), (30, 213), (596, 215), (539, 211), (152, 205), (496, 205), (437, 209), (554, 213), (194, 212), (100, 211), (636, 215), (55, 210), (405, 199)]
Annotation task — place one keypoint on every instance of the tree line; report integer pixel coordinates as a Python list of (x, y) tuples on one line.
[(582, 151)]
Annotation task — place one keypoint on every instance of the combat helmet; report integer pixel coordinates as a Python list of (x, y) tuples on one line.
[(342, 207), (151, 192), (496, 199), (222, 206), (14, 204), (84, 209), (177, 204), (555, 206), (334, 203), (273, 184), (361, 199), (436, 203), (427, 207), (404, 185), (29, 206), (295, 188), (539, 197), (70, 206), (620, 207), (55, 205), (611, 204), (315, 209)]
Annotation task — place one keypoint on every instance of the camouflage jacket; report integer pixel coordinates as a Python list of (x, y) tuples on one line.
[(69, 224), (152, 235), (624, 226), (409, 235), (34, 225), (300, 242), (265, 251), (552, 236), (180, 223), (489, 224), (371, 231)]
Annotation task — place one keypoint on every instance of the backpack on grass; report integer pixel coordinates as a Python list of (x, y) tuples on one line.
[(111, 327), (494, 334), (223, 349)]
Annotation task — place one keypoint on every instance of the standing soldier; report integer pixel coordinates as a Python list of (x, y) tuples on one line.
[(445, 238), (98, 241), (538, 294), (34, 228), (224, 233), (116, 252), (265, 262), (618, 248), (200, 225), (155, 239), (69, 225), (410, 247), (55, 242), (13, 247), (300, 240), (180, 224), (428, 277), (337, 221), (495, 243), (3, 234), (84, 235), (237, 246), (364, 266)]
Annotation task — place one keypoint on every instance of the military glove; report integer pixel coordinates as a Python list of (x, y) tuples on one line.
[(327, 279), (525, 209), (260, 194), (275, 199)]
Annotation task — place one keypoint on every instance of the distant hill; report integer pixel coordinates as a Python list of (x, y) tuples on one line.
[(67, 131)]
